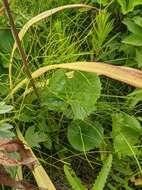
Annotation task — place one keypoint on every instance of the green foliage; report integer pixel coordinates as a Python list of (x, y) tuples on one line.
[(128, 6), (134, 98), (100, 181), (102, 177), (73, 179), (34, 138), (134, 27), (133, 40), (5, 131), (5, 128), (80, 119), (84, 136), (6, 40), (76, 95), (5, 108), (98, 36), (126, 131)]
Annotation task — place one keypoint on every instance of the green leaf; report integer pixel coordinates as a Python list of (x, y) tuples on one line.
[(133, 39), (128, 5), (73, 179), (133, 27), (134, 98), (24, 117), (5, 108), (78, 94), (125, 133), (102, 177), (138, 20), (52, 96), (48, 142), (83, 90), (84, 136), (5, 131), (123, 6), (34, 138)]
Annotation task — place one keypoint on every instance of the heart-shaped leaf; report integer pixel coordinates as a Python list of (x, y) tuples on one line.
[(77, 94)]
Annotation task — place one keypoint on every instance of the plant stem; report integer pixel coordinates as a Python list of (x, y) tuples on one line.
[(19, 46)]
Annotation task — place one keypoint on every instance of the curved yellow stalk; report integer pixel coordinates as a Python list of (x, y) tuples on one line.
[(127, 75)]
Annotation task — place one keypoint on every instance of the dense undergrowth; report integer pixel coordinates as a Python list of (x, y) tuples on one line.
[(86, 131)]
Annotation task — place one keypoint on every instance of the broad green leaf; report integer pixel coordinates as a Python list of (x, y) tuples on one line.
[(126, 131), (128, 5), (133, 27), (123, 5), (34, 138), (24, 117), (138, 20), (102, 177), (5, 108), (84, 136), (82, 92), (53, 95), (73, 179), (79, 93), (133, 39), (133, 3), (5, 131)]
